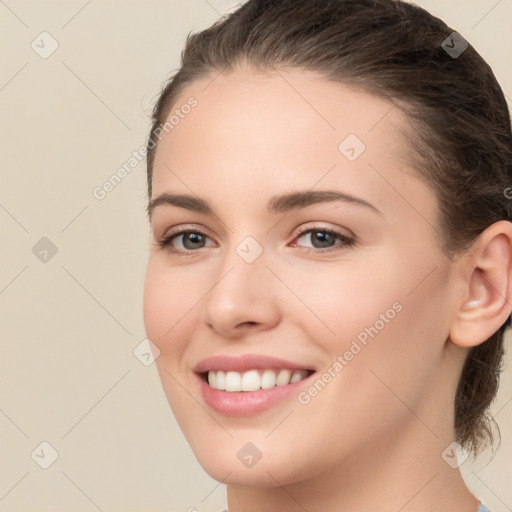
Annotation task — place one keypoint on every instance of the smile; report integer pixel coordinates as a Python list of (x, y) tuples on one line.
[(253, 380), (247, 384)]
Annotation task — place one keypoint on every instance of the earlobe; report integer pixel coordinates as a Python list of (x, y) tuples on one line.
[(487, 302)]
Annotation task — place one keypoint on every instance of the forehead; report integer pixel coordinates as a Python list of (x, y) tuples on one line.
[(280, 130), (258, 106)]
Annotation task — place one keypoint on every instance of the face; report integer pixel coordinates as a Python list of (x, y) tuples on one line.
[(340, 292)]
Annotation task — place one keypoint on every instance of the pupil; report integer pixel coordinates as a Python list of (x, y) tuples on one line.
[(322, 237), (193, 238)]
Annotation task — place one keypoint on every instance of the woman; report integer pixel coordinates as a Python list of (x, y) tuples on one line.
[(329, 276)]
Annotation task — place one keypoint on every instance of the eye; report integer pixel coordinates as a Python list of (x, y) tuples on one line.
[(190, 241), (323, 239)]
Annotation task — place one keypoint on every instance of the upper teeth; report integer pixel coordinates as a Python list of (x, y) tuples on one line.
[(253, 380)]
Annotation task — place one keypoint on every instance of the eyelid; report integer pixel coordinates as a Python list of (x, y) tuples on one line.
[(303, 228), (181, 228)]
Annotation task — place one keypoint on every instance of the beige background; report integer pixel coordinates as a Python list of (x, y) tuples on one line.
[(69, 326)]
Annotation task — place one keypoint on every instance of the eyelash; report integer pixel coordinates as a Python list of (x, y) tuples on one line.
[(165, 241)]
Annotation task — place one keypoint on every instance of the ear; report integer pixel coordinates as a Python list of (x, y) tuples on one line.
[(486, 301)]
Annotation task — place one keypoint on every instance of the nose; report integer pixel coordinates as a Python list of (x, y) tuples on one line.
[(242, 299)]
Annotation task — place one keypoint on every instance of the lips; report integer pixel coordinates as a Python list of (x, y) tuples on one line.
[(248, 384)]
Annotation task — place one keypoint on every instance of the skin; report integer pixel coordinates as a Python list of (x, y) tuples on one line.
[(372, 439)]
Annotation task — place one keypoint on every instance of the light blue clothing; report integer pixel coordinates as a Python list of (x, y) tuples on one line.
[(482, 508)]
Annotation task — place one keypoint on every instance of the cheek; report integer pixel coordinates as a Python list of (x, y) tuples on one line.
[(168, 318), (167, 299), (341, 300), (158, 308), (392, 336), (376, 317)]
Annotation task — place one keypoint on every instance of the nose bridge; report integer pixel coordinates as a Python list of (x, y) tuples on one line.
[(244, 266), (241, 274), (242, 292)]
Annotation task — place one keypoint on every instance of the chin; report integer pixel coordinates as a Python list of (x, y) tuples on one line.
[(236, 474), (231, 464)]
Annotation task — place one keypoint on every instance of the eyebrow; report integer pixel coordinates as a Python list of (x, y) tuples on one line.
[(276, 204)]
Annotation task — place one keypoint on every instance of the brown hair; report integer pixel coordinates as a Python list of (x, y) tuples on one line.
[(461, 137)]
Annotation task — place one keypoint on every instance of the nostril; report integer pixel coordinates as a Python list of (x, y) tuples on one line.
[(247, 323)]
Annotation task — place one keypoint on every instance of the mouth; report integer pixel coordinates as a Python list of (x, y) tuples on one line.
[(249, 384), (253, 380)]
